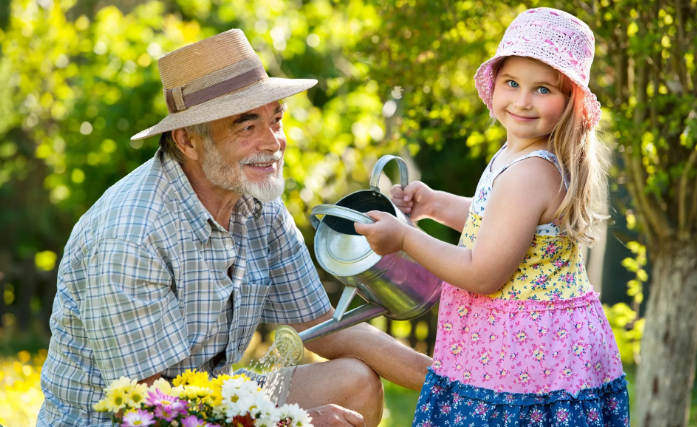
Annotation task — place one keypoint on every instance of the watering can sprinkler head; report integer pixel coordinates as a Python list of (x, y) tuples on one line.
[(289, 342)]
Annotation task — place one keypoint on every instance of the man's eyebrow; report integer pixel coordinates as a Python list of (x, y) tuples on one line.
[(281, 109), (245, 117)]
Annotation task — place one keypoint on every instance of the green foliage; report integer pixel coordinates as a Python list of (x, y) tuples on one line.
[(627, 325), (79, 88)]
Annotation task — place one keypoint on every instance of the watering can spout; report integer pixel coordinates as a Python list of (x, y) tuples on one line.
[(353, 317)]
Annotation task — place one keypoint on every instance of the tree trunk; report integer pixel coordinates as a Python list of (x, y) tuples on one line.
[(669, 346)]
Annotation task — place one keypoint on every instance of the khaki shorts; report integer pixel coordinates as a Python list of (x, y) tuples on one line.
[(276, 385)]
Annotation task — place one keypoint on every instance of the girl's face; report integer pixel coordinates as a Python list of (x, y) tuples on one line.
[(527, 99)]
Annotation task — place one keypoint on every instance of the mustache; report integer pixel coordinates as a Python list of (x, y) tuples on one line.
[(263, 158)]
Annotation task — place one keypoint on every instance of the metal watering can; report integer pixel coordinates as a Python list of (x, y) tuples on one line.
[(392, 285)]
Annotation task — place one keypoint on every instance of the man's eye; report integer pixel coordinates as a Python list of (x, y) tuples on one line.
[(512, 83), (248, 128), (277, 120), (543, 89)]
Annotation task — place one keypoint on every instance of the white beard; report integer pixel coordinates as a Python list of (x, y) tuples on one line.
[(222, 175)]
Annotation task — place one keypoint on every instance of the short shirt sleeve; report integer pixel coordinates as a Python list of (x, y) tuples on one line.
[(131, 316), (296, 293)]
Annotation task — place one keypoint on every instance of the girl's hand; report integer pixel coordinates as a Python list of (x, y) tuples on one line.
[(386, 235), (416, 199)]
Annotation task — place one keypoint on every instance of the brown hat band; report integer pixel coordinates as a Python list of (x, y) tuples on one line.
[(229, 79)]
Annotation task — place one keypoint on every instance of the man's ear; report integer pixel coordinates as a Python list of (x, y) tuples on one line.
[(186, 144)]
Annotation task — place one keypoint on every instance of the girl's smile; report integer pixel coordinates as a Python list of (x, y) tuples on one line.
[(521, 118)]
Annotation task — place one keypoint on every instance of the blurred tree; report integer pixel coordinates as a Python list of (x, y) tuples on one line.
[(649, 80)]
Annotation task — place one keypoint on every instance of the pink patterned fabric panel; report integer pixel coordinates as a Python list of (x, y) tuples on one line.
[(524, 346)]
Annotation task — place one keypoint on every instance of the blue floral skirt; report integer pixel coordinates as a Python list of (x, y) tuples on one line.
[(450, 403)]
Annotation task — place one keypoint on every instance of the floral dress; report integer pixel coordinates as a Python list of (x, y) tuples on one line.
[(537, 352)]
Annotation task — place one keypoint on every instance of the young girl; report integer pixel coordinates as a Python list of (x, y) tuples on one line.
[(522, 337)]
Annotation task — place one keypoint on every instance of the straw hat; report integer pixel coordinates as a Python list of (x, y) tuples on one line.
[(217, 77)]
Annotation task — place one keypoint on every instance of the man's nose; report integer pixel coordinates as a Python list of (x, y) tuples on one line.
[(271, 141)]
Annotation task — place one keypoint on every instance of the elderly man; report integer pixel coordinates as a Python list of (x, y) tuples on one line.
[(175, 265)]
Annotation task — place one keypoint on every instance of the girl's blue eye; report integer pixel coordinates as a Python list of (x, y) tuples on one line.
[(543, 89), (512, 83)]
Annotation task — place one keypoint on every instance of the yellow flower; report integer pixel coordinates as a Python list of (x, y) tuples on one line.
[(137, 395), (162, 385), (115, 400), (100, 406), (192, 392), (214, 399), (190, 377), (122, 383), (177, 391)]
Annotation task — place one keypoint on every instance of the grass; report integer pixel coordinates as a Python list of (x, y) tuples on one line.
[(400, 404)]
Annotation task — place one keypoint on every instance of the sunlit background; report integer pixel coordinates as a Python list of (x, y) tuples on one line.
[(78, 79)]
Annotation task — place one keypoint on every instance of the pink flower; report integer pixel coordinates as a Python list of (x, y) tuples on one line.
[(159, 397), (166, 407), (445, 408), (137, 418), (536, 416), (193, 421), (481, 409), (592, 415), (562, 415), (170, 412)]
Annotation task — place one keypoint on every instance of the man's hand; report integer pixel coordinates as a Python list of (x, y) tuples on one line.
[(334, 415)]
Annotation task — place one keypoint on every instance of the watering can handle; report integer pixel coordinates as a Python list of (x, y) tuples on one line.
[(380, 165), (339, 211)]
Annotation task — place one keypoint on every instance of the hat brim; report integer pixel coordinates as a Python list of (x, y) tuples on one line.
[(254, 96), (484, 83)]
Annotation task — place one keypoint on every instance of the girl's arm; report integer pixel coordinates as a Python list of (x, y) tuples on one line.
[(523, 196), (450, 210)]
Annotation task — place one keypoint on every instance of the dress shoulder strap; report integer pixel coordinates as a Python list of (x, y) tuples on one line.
[(538, 153)]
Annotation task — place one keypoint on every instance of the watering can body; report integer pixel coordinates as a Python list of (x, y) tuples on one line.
[(392, 285)]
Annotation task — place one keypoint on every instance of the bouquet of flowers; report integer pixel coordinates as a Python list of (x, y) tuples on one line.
[(196, 401)]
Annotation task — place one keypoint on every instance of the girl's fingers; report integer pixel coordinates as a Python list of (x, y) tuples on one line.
[(396, 191), (401, 203), (360, 228)]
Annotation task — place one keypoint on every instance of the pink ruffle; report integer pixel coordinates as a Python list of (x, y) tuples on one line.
[(484, 301), (524, 346)]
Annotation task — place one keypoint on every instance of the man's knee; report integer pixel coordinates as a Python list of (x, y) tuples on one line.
[(362, 381)]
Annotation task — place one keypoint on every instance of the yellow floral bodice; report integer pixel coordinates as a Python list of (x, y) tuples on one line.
[(553, 267)]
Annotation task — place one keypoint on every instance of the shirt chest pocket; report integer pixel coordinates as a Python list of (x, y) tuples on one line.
[(252, 296)]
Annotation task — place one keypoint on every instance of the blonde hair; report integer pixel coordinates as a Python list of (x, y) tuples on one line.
[(583, 163)]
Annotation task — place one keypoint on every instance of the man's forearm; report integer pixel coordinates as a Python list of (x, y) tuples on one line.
[(389, 358)]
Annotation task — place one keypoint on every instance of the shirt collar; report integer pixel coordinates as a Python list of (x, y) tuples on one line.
[(200, 219)]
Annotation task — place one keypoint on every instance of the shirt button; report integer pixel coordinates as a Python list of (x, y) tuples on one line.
[(228, 246)]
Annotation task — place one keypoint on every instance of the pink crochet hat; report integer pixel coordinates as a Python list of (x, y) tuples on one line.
[(554, 37)]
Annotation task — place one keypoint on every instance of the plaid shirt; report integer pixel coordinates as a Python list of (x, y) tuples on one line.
[(149, 283)]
